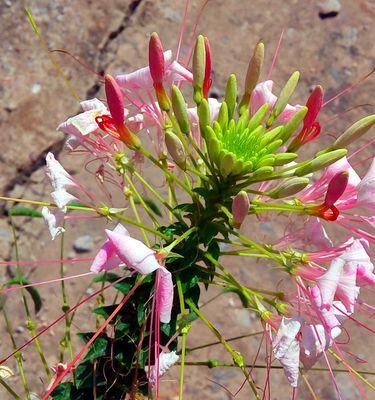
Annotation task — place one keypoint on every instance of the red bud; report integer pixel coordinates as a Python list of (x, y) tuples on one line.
[(314, 104), (114, 99), (156, 59), (336, 188), (207, 74)]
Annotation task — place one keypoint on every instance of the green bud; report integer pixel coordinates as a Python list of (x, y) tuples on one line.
[(175, 149), (289, 188), (237, 167), (180, 110), (210, 133), (213, 148), (226, 162), (284, 97), (204, 116), (258, 117), (199, 68), (222, 118), (217, 130), (293, 123), (231, 95), (274, 146), (262, 172), (266, 160), (321, 162), (252, 75), (284, 158), (248, 167), (243, 121), (270, 136), (354, 132)]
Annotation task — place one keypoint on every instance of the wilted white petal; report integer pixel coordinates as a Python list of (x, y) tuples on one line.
[(54, 221)]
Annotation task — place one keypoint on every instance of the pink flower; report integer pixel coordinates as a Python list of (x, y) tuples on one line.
[(106, 258), (141, 78), (287, 349), (263, 94), (165, 362), (240, 208), (356, 259), (165, 294), (133, 253), (81, 125), (366, 190)]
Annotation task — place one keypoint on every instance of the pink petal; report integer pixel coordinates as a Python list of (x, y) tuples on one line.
[(328, 282), (366, 190), (165, 294), (133, 253)]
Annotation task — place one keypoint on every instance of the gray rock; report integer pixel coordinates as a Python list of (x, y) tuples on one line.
[(329, 7), (84, 244)]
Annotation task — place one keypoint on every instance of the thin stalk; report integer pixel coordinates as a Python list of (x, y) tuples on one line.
[(138, 218), (9, 389), (237, 357), (180, 239), (166, 172), (31, 325), (17, 355), (184, 332)]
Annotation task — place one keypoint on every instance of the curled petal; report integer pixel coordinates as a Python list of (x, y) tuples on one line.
[(62, 198), (328, 282), (286, 334), (56, 173), (53, 221), (133, 253), (165, 362), (165, 294), (366, 190)]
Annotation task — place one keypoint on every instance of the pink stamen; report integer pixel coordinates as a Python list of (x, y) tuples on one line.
[(274, 58)]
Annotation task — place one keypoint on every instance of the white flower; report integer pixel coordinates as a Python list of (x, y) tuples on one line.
[(53, 221), (166, 361)]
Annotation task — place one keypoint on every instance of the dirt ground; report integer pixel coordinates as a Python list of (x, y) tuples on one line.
[(331, 49)]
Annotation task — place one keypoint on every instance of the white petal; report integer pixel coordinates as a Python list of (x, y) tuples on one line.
[(53, 221)]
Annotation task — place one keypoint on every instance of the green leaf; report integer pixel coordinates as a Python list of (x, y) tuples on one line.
[(97, 349), (21, 211), (208, 233), (106, 277), (21, 280), (76, 203), (63, 391)]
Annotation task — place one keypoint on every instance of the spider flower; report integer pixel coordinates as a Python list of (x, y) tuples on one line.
[(165, 362), (53, 221)]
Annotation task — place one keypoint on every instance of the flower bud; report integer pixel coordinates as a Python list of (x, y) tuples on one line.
[(336, 188), (270, 136), (314, 104), (222, 118), (252, 75), (321, 162), (354, 132), (199, 68), (180, 111), (293, 123), (240, 208), (289, 188), (284, 97), (262, 172), (226, 163), (175, 149), (207, 73), (114, 99), (204, 116), (156, 59), (231, 95), (284, 158), (214, 147), (258, 117)]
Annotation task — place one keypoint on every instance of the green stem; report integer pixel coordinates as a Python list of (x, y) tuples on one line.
[(137, 217), (9, 389), (31, 325), (237, 357), (180, 239)]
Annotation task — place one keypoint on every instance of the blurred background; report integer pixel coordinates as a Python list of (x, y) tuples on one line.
[(331, 42)]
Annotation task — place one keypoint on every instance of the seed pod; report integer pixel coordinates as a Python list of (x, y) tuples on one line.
[(231, 95), (336, 188), (289, 188), (180, 110), (284, 97), (175, 149), (321, 162), (293, 123), (240, 208), (199, 68), (263, 172), (284, 158), (204, 116), (252, 75), (354, 132)]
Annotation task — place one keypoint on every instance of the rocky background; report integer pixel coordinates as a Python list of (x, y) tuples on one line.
[(330, 42)]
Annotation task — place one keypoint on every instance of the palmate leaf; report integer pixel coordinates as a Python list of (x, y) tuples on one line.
[(21, 280)]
